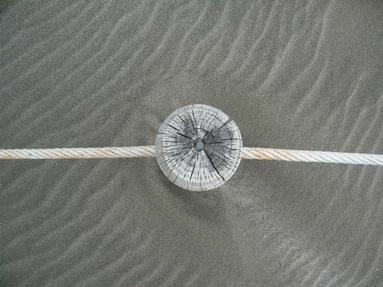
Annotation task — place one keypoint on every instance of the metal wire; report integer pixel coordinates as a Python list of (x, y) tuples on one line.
[(311, 156), (78, 153), (149, 151)]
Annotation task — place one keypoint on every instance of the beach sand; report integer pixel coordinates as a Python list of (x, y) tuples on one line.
[(292, 74)]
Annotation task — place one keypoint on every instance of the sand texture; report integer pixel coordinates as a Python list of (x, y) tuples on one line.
[(291, 74)]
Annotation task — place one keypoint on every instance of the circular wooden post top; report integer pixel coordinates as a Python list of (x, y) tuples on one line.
[(198, 147)]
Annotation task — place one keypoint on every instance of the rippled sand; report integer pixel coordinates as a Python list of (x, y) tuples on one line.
[(292, 74)]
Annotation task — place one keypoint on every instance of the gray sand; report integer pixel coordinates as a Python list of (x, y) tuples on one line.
[(303, 74)]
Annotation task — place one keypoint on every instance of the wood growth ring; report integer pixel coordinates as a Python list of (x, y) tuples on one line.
[(198, 147)]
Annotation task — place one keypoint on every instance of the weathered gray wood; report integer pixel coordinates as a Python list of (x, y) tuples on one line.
[(198, 147)]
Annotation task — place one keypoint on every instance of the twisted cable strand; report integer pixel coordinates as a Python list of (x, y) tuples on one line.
[(311, 156), (149, 151), (78, 153)]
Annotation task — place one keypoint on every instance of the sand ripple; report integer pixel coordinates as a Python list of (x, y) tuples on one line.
[(292, 74)]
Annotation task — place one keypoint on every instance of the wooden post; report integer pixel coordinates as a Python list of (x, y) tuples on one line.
[(198, 147)]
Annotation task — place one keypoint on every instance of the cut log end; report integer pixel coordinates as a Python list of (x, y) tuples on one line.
[(198, 147)]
